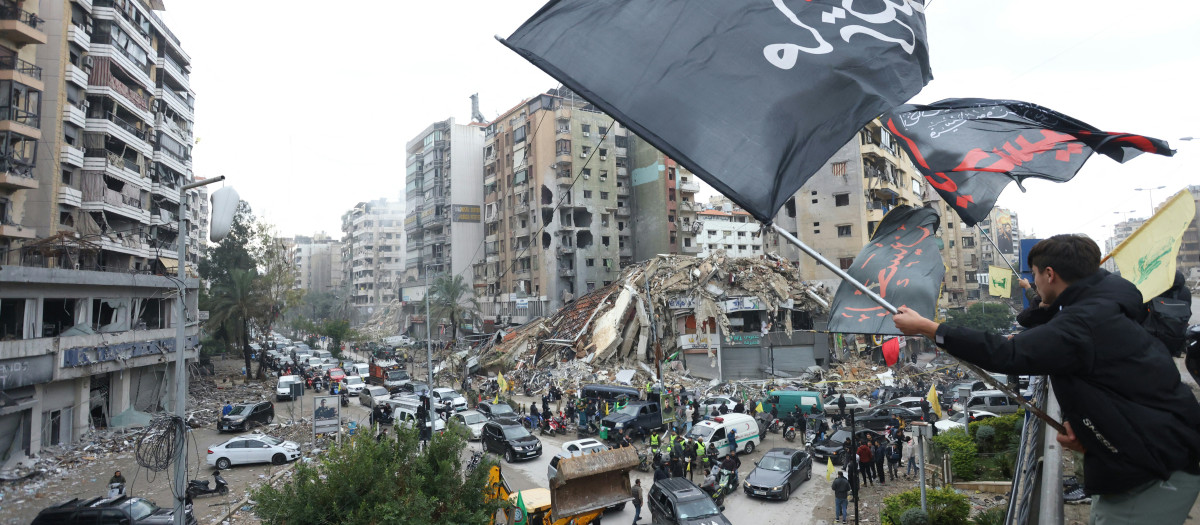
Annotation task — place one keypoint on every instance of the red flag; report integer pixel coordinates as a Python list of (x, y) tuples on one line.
[(891, 351)]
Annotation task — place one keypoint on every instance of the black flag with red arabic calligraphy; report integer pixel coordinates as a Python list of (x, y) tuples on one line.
[(751, 96), (969, 149), (902, 263)]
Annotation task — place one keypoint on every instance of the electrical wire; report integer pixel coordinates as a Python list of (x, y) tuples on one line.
[(158, 445)]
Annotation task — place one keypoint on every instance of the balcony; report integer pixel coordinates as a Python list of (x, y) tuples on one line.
[(124, 131), (623, 191), (20, 121), (75, 115), (171, 160), (20, 26), (17, 231), (85, 4), (689, 187), (523, 272), (567, 272), (564, 179), (521, 231), (693, 249), (115, 166), (566, 250), (522, 208), (109, 86), (435, 221), (71, 155), (113, 201), (15, 69), (80, 36), (622, 211), (179, 133), (169, 191), (10, 180), (101, 49), (68, 196), (177, 103), (174, 70), (440, 238), (77, 75)]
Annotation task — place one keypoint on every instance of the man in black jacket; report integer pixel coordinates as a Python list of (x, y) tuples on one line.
[(1113, 379)]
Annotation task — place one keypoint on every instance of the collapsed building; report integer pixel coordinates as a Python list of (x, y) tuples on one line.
[(717, 317)]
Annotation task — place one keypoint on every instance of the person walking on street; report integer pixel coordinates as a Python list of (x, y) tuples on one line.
[(689, 453), (732, 440), (865, 464), (841, 494), (676, 467), (1112, 378), (912, 461), (879, 453), (636, 492), (661, 473), (893, 459), (225, 410)]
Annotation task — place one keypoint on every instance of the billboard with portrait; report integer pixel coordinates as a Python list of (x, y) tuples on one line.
[(326, 414)]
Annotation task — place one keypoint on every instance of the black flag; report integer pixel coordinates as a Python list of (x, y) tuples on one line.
[(902, 264), (751, 96), (969, 149)]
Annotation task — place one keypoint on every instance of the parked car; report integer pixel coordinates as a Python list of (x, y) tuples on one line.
[(913, 403), (354, 384), (881, 417), (960, 420), (473, 420), (853, 403), (252, 448), (832, 447), (511, 440), (707, 404), (373, 394), (677, 501), (989, 400), (246, 416), (415, 388), (283, 389), (779, 472), (124, 509), (497, 411), (446, 398), (578, 447)]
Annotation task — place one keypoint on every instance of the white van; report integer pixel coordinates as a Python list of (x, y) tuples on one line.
[(323, 353), (990, 401), (405, 413), (283, 389), (715, 431)]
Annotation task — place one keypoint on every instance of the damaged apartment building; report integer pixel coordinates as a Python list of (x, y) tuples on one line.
[(98, 119), (557, 209), (371, 256)]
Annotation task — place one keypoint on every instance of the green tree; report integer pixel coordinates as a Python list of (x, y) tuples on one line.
[(452, 298), (275, 284), (990, 317), (233, 303), (233, 252), (337, 330), (364, 481)]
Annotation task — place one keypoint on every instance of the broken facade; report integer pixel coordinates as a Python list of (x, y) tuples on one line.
[(718, 317)]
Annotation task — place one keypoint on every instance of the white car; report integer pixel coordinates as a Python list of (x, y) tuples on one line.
[(570, 449), (443, 396), (707, 405), (354, 384), (853, 403), (371, 395), (473, 420), (959, 420), (359, 369), (252, 448)]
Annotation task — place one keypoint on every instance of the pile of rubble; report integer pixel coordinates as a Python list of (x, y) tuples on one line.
[(625, 324)]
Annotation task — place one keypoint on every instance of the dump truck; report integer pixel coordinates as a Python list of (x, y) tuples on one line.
[(388, 374), (582, 488)]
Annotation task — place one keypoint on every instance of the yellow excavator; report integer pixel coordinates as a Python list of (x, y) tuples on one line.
[(581, 489)]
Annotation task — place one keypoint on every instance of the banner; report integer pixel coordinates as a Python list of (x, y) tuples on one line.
[(1004, 232), (969, 149), (326, 414), (902, 263), (1148, 257), (752, 98), (1000, 282), (934, 404)]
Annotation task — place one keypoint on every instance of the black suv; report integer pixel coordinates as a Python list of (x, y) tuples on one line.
[(677, 501), (511, 440), (121, 510), (246, 416), (779, 472), (497, 411)]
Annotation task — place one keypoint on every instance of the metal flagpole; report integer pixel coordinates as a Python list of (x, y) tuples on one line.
[(983, 375), (1002, 257)]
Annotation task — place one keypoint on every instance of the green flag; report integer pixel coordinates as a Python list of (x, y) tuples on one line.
[(1000, 281), (520, 512)]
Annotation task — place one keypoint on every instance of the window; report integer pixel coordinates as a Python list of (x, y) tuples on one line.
[(603, 175), (586, 128), (604, 195), (844, 230), (591, 262), (841, 199), (968, 242), (586, 150), (839, 168), (712, 232), (587, 194), (591, 285), (687, 242), (741, 234), (845, 262), (587, 172), (603, 151), (670, 217), (602, 130)]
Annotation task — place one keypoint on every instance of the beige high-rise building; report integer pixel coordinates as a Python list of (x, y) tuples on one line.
[(836, 211), (373, 255), (557, 206)]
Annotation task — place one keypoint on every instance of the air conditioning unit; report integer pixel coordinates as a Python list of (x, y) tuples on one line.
[(587, 134), (586, 177), (582, 155), (604, 157), (88, 62)]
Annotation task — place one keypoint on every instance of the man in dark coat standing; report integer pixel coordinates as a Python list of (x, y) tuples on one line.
[(1113, 379)]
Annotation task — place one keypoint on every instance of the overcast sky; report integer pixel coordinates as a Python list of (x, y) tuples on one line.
[(306, 106)]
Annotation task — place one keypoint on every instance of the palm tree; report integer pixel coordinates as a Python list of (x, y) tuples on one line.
[(234, 303), (452, 298)]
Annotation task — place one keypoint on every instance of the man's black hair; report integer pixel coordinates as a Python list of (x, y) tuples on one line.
[(1073, 257)]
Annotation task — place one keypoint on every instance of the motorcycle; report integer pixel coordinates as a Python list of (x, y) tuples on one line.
[(197, 487), (775, 426), (116, 490), (790, 433), (644, 462), (589, 430), (724, 485), (345, 398)]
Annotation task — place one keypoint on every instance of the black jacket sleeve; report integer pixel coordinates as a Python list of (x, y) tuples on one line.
[(1051, 348)]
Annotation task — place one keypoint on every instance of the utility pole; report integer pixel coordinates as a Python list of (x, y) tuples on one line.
[(853, 455), (428, 326), (180, 491)]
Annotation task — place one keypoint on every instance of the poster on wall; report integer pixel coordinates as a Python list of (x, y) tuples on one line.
[(1004, 232)]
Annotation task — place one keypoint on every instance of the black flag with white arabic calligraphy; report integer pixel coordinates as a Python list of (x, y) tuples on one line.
[(902, 263), (753, 96), (969, 149)]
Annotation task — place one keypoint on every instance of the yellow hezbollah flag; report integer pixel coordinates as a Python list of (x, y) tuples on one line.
[(501, 382), (759, 408), (1147, 258), (934, 404), (1000, 281), (829, 468)]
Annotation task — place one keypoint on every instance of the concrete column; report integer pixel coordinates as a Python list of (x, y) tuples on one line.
[(35, 421), (83, 407), (118, 391)]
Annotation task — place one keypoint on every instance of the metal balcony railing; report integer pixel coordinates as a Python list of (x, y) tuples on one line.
[(22, 16), (20, 116), (21, 66)]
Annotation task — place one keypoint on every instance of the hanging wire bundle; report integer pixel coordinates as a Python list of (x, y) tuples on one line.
[(158, 445)]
